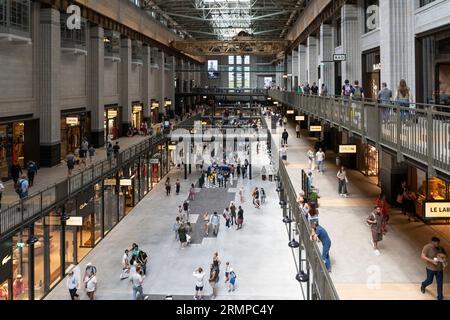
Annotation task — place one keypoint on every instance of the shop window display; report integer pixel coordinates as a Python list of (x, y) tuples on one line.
[(21, 283), (39, 273), (438, 190), (98, 204), (12, 147), (53, 225), (4, 293)]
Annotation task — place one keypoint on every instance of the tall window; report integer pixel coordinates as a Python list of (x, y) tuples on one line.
[(338, 32), (239, 71)]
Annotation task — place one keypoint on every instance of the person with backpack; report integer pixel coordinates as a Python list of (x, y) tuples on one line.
[(214, 277), (358, 92), (70, 160), (347, 91), (22, 188), (232, 280), (31, 171)]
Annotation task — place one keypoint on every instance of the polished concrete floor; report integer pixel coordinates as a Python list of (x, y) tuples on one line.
[(258, 253)]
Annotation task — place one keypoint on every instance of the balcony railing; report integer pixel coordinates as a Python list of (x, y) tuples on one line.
[(22, 212), (418, 131), (15, 19), (229, 91)]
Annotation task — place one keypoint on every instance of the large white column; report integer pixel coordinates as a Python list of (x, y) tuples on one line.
[(96, 87), (49, 87), (351, 43), (295, 69), (326, 52), (125, 92), (311, 56), (162, 63), (146, 83), (302, 65), (398, 43), (289, 72)]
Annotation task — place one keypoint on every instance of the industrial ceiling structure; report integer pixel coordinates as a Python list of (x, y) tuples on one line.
[(228, 26)]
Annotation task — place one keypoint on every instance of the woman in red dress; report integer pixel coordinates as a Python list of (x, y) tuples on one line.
[(382, 203)]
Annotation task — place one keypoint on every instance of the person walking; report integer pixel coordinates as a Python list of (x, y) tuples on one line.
[(240, 219), (375, 221), (403, 97), (310, 155), (263, 173), (91, 152), (109, 151), (177, 187), (182, 236), (31, 172), (84, 151), (233, 213), (90, 282), (382, 203), (142, 259), (324, 91), (72, 285), (214, 278), (70, 160), (320, 158), (320, 234), (227, 217), (215, 221), (16, 172), (168, 187), (125, 265), (192, 192), (285, 136), (199, 275), (297, 130), (186, 210), (433, 254), (206, 221), (256, 202), (263, 196), (175, 227), (116, 149), (384, 98), (137, 280), (22, 188), (283, 153), (232, 281), (342, 179), (227, 271)]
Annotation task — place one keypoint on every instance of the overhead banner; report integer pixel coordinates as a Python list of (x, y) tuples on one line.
[(315, 128), (437, 210), (347, 149), (290, 112), (300, 118)]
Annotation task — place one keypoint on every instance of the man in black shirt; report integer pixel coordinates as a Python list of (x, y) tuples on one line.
[(116, 149), (315, 89), (285, 137)]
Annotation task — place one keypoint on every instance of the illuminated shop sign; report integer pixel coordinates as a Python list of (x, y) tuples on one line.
[(347, 149), (137, 108), (315, 128), (72, 121), (290, 112), (112, 114), (437, 210), (300, 118)]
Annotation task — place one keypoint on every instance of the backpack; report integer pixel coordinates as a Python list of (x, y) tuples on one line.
[(19, 187), (357, 92), (348, 90)]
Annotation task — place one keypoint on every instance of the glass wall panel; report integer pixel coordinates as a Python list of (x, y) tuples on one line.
[(53, 225), (39, 271), (21, 284)]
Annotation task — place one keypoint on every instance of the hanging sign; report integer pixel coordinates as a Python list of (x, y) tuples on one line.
[(437, 210), (137, 108), (315, 128), (75, 221), (339, 57), (110, 182), (290, 112), (347, 149), (154, 161), (72, 121), (300, 118), (112, 114)]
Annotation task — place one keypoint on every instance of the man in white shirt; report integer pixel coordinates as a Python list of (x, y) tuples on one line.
[(91, 286), (320, 157), (199, 275), (137, 280), (310, 155), (72, 285), (215, 221)]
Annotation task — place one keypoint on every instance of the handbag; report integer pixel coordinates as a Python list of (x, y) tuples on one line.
[(400, 198)]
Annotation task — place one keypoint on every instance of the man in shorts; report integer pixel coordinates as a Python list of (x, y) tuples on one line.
[(199, 275)]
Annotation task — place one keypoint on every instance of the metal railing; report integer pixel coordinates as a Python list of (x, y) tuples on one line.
[(20, 212), (417, 131), (230, 91), (319, 277)]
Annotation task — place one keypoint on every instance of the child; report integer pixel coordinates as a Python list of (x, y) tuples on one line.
[(231, 286)]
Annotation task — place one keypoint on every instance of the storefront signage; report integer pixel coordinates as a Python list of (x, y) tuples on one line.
[(85, 203), (155, 105), (276, 103), (5, 259), (75, 221), (110, 182), (437, 210), (172, 147), (72, 121), (315, 128), (52, 220), (112, 114), (290, 112), (347, 149), (154, 161), (376, 66), (137, 108), (300, 118), (125, 182), (168, 103), (339, 57)]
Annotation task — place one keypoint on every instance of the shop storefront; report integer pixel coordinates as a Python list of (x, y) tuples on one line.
[(155, 111), (368, 159), (74, 127), (428, 190), (19, 143), (372, 73), (112, 122), (136, 116), (433, 68)]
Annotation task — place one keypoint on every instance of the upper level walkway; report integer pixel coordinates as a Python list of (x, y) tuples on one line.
[(419, 132), (357, 272)]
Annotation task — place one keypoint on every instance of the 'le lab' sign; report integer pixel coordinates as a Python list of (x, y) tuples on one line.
[(437, 210)]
